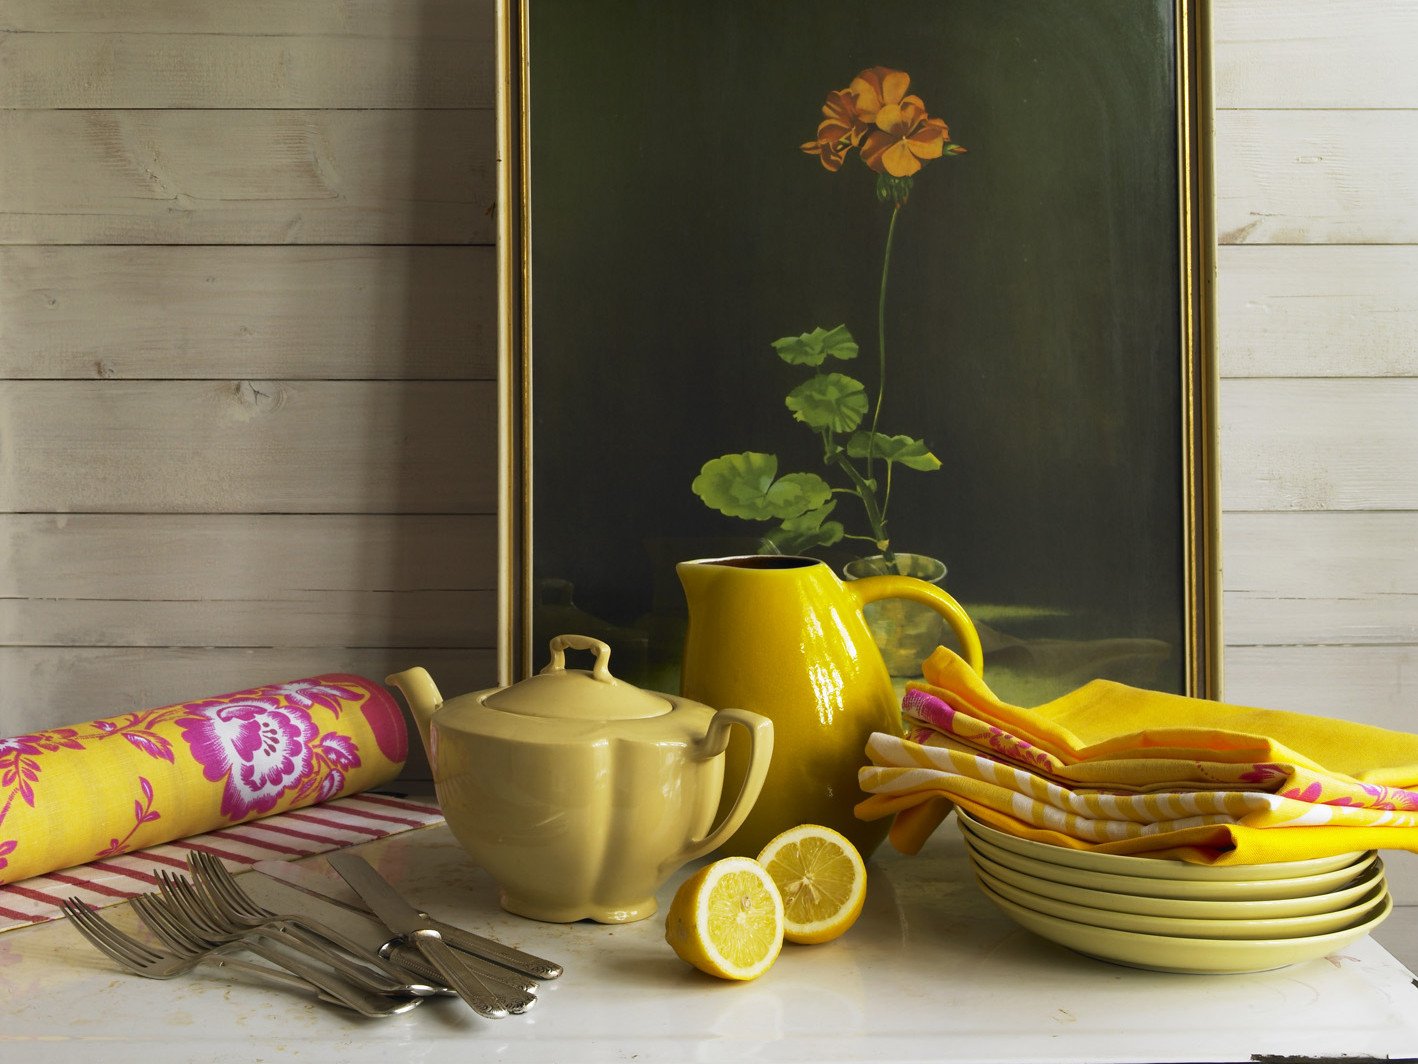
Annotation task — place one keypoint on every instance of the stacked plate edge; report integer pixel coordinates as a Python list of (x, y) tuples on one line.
[(1172, 916)]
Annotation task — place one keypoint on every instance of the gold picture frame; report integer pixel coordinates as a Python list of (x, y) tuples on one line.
[(583, 162)]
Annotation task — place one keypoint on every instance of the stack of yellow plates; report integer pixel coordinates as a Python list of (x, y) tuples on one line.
[(1172, 916)]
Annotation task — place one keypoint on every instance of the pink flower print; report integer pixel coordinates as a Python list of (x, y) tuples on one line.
[(19, 746), (1308, 794), (261, 750), (58, 739), (137, 730), (143, 813), (1394, 798), (339, 750), (1314, 794), (7, 847), (334, 754), (330, 785), (311, 693), (929, 709), (18, 769), (385, 720), (1263, 773)]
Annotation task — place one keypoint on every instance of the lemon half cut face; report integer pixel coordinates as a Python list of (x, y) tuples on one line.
[(727, 919), (822, 879)]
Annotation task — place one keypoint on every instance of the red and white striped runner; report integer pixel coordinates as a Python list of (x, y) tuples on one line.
[(286, 836)]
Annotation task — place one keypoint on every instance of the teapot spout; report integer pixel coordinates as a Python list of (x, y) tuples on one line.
[(421, 693)]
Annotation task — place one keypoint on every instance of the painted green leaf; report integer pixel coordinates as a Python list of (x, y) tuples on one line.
[(911, 453), (830, 401), (810, 349), (747, 485)]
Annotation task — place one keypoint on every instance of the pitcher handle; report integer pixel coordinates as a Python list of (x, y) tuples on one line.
[(760, 752), (873, 588)]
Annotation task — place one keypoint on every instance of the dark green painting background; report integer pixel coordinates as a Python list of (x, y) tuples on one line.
[(1033, 315)]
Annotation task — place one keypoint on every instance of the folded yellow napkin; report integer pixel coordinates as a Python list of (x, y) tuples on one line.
[(1336, 785), (902, 767), (77, 794), (932, 720)]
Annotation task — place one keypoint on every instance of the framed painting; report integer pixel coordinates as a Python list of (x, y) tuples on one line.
[(928, 292)]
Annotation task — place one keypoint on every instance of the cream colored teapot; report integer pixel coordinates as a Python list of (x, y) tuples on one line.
[(580, 793)]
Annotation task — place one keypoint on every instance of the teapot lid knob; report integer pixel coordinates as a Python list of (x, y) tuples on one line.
[(557, 691), (560, 644)]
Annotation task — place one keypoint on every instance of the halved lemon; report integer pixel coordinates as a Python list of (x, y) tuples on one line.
[(727, 919), (822, 878)]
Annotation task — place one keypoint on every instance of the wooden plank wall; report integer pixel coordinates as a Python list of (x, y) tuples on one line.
[(246, 334), (247, 331), (1317, 219)]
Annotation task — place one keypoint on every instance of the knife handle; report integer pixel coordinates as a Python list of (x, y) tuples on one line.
[(467, 985), (488, 949), (514, 991)]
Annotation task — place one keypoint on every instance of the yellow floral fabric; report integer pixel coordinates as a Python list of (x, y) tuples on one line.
[(1125, 770), (87, 792)]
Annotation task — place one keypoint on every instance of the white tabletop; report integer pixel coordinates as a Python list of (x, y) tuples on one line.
[(932, 972)]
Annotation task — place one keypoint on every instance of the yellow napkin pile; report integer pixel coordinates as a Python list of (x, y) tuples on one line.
[(1124, 770)]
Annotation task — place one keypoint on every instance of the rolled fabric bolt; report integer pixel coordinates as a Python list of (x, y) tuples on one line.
[(85, 792)]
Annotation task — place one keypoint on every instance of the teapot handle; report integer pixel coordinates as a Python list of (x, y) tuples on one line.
[(927, 594), (760, 752)]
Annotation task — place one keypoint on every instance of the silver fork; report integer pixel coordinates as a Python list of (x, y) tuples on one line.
[(206, 920), (514, 991), (143, 960)]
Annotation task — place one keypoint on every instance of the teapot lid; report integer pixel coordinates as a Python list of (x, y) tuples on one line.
[(577, 694)]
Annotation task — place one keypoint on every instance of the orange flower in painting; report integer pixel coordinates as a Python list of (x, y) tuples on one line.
[(905, 138), (877, 87), (840, 130), (877, 115)]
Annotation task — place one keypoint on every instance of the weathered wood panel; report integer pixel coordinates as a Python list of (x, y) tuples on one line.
[(1317, 177), (248, 446), (465, 20), (233, 557), (248, 580), (1321, 444), (282, 617), (247, 177), (1372, 685), (1315, 53), (291, 312), (1317, 578), (1318, 311), (184, 69)]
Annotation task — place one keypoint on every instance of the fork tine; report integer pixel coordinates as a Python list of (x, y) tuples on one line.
[(168, 926), (213, 875), (140, 960), (78, 915), (219, 884), (357, 962), (192, 905), (105, 936), (212, 880)]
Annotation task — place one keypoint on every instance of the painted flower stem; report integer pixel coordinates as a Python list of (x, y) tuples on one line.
[(881, 326)]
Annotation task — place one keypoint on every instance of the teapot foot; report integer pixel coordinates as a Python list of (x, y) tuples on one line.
[(568, 914)]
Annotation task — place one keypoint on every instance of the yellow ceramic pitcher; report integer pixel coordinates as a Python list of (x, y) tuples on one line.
[(783, 637)]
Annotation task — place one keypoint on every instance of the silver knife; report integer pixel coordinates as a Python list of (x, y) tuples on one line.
[(403, 919), (327, 889), (271, 888)]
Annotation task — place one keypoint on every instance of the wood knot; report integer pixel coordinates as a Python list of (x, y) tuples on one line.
[(254, 398)]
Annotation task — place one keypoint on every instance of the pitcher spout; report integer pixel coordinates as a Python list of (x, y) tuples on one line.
[(421, 694)]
